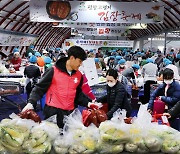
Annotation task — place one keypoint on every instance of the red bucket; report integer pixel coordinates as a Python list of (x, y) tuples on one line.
[(159, 107)]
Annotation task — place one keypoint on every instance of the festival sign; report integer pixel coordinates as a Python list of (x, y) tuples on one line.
[(96, 11), (95, 44), (101, 31), (102, 25), (10, 38), (86, 31), (113, 32)]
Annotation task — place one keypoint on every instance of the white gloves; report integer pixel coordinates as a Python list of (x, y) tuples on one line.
[(94, 105), (28, 107), (11, 66)]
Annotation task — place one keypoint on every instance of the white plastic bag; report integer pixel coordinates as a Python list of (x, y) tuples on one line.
[(73, 121), (104, 148), (38, 142), (115, 131), (52, 119), (50, 128), (22, 122), (76, 137), (60, 146), (143, 117), (119, 115)]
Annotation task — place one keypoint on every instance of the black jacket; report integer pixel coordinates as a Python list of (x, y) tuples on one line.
[(42, 86), (32, 71), (116, 98), (175, 110)]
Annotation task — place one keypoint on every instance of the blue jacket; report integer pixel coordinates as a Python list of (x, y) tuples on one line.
[(173, 94)]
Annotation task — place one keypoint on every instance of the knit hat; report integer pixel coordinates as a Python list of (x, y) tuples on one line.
[(37, 54), (165, 59), (118, 57), (33, 59), (139, 53), (149, 60), (170, 53), (47, 60), (15, 50), (58, 49), (31, 46), (136, 66), (122, 61), (96, 60), (167, 62)]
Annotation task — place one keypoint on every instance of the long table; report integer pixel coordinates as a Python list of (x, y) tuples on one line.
[(16, 77)]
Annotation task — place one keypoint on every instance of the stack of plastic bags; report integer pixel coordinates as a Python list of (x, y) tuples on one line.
[(76, 137), (115, 136), (25, 136)]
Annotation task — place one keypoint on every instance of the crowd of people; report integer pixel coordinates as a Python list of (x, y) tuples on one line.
[(55, 73), (154, 68)]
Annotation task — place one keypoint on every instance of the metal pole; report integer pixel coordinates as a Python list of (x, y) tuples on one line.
[(165, 38), (141, 44), (151, 44)]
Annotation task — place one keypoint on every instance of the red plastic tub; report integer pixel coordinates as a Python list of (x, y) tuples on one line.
[(159, 106)]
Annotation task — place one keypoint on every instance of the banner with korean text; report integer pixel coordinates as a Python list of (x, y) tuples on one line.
[(96, 11), (95, 44), (10, 38), (102, 25), (101, 31)]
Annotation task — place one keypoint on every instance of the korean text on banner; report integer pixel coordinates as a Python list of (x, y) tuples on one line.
[(98, 11), (102, 25), (10, 38), (101, 31), (98, 43)]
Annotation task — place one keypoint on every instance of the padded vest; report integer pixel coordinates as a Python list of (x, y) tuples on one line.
[(62, 91)]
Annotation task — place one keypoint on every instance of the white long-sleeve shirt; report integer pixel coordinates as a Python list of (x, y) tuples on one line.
[(150, 71)]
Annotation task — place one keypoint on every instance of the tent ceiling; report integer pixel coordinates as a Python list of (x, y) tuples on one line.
[(14, 15)]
